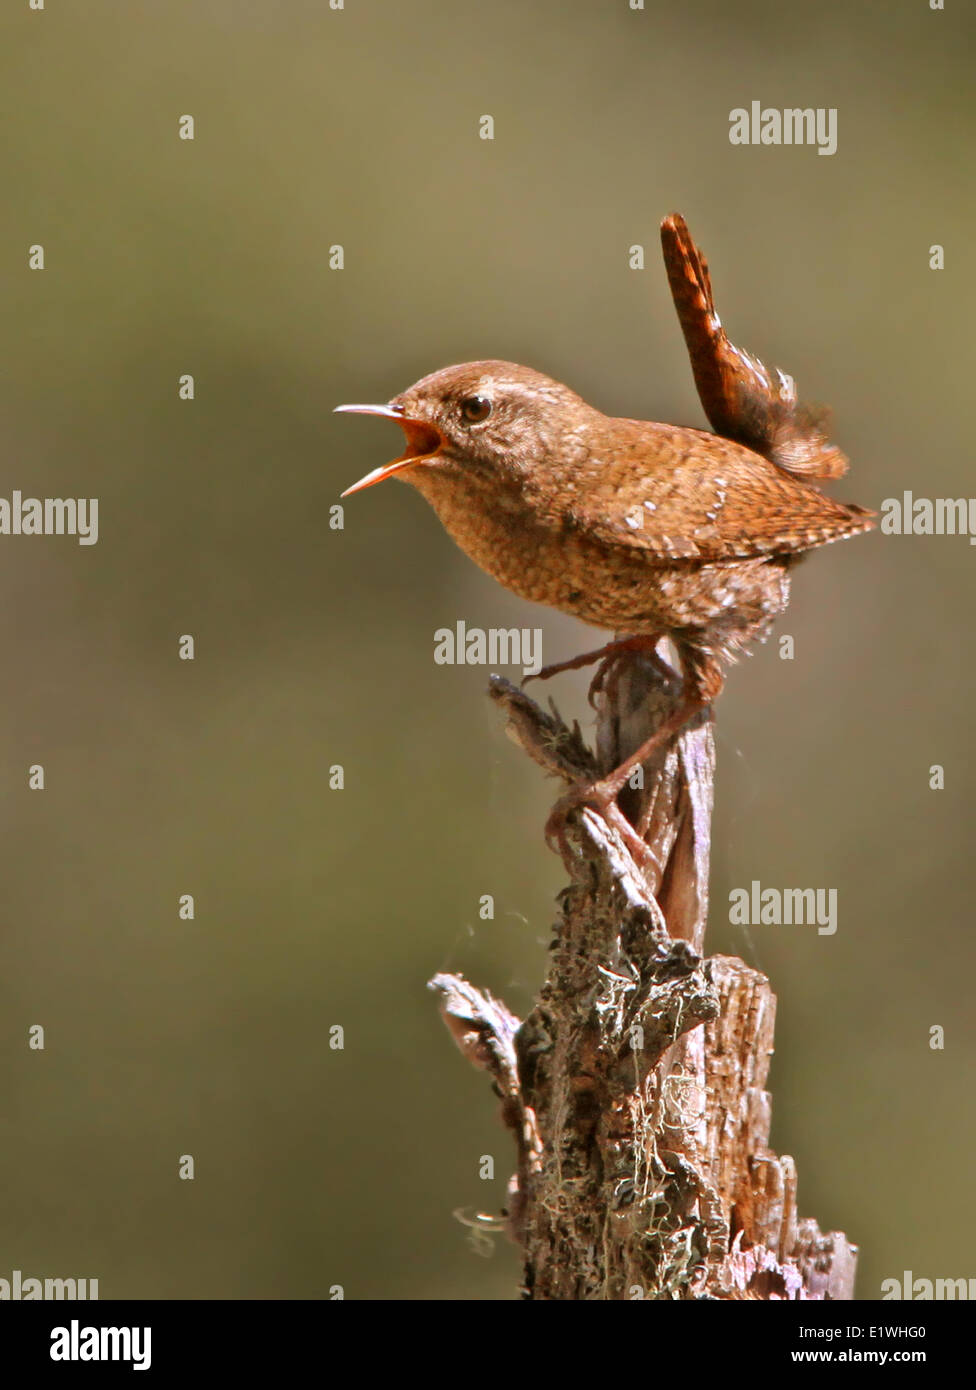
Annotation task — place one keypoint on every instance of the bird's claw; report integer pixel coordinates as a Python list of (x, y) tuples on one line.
[(601, 798)]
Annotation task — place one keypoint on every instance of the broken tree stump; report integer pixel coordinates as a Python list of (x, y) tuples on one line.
[(635, 1089)]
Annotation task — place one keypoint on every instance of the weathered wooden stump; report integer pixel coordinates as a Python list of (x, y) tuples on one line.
[(635, 1089)]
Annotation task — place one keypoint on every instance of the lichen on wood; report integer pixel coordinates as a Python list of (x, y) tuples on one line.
[(635, 1088)]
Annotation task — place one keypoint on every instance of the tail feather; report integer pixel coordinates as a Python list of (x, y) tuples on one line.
[(742, 398)]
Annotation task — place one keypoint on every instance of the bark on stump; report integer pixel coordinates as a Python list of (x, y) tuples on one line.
[(635, 1089)]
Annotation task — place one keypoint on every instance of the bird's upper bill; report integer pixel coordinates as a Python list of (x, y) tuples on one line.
[(423, 442)]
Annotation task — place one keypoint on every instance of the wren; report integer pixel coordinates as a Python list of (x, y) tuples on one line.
[(648, 530)]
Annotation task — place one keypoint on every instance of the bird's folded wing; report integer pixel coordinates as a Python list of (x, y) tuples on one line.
[(712, 500)]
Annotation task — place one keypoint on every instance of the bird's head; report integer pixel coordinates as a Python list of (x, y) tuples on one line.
[(494, 416)]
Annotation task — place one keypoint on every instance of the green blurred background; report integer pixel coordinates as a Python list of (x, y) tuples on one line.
[(316, 907)]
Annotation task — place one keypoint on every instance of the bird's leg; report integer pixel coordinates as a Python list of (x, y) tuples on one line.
[(607, 657), (601, 794), (602, 654), (605, 682), (703, 681)]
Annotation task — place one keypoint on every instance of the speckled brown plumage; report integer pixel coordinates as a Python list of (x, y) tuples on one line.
[(632, 526), (640, 528)]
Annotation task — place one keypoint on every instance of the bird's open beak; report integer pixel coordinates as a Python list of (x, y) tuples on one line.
[(423, 442)]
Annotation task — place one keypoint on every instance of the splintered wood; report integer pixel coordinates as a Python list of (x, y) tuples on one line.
[(635, 1089)]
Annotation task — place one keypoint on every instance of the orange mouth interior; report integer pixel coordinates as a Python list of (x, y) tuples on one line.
[(423, 441)]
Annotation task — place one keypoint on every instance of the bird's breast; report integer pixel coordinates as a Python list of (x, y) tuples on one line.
[(507, 539), (539, 558)]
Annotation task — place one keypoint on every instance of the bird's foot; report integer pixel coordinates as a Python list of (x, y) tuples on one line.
[(605, 655), (600, 796), (575, 663)]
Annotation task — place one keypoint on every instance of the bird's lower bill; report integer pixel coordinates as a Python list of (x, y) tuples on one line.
[(423, 444)]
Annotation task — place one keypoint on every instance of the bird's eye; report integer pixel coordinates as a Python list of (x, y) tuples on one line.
[(474, 409)]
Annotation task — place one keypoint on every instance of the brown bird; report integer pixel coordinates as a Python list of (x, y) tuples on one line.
[(649, 530)]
